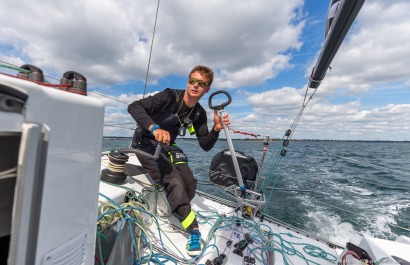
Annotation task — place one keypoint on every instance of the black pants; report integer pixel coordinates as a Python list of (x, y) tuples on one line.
[(178, 180)]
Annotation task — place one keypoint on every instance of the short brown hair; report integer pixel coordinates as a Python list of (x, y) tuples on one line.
[(204, 70)]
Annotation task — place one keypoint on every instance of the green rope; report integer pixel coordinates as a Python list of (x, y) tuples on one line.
[(15, 68)]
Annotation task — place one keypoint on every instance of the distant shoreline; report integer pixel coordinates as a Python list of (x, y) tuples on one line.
[(274, 140)]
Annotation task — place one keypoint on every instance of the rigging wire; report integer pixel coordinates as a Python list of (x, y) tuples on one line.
[(306, 100), (273, 172), (125, 123), (150, 53), (98, 93), (117, 126)]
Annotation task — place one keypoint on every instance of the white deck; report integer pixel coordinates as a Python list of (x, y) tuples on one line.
[(220, 224)]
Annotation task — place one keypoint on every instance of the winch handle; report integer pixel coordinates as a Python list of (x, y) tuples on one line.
[(220, 106), (143, 153), (158, 150)]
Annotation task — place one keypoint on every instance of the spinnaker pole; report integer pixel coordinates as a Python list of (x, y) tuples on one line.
[(220, 109), (340, 16)]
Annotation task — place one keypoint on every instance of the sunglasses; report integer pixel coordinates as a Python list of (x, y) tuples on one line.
[(201, 83)]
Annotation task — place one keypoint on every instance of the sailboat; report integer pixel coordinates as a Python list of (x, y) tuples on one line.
[(64, 201)]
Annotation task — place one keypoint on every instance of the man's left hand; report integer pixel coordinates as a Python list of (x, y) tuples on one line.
[(218, 121)]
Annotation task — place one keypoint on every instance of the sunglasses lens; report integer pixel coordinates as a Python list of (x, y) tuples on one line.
[(201, 84), (192, 81)]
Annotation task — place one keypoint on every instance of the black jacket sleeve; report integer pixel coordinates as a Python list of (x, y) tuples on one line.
[(142, 109), (206, 138)]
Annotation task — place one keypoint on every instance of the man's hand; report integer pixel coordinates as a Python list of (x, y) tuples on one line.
[(161, 135), (218, 122)]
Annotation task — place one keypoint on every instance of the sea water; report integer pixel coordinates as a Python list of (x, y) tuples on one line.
[(339, 190)]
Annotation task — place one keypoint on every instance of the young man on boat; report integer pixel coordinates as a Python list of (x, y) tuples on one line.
[(161, 118)]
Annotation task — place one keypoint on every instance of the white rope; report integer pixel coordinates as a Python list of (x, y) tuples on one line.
[(8, 173)]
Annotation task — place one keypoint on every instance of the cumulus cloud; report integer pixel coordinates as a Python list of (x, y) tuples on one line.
[(276, 111), (253, 74), (110, 41)]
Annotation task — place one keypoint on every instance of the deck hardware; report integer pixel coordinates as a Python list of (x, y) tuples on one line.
[(241, 245)]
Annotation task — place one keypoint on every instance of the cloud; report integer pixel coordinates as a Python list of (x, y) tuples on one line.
[(252, 75), (110, 41), (277, 110), (276, 100), (375, 52), (96, 39)]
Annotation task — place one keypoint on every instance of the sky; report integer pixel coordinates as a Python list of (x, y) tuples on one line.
[(262, 53)]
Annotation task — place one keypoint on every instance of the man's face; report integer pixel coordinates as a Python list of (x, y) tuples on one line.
[(197, 85)]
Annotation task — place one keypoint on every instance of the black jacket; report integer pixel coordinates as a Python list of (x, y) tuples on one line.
[(168, 110)]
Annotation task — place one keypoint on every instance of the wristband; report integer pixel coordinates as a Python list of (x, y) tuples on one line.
[(154, 127)]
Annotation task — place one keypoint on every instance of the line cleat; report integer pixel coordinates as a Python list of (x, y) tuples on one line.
[(193, 246)]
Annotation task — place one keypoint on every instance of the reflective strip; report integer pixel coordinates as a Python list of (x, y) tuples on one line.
[(188, 220), (170, 157)]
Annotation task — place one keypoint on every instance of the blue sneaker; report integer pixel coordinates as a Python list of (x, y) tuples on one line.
[(193, 246)]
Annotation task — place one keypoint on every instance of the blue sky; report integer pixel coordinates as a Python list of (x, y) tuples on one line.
[(261, 51)]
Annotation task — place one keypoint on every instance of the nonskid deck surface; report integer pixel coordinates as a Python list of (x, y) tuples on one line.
[(226, 236)]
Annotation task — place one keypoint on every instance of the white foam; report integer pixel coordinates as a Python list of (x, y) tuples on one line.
[(374, 214), (360, 191), (383, 215), (332, 227)]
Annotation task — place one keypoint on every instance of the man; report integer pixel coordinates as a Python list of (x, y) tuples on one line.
[(161, 118)]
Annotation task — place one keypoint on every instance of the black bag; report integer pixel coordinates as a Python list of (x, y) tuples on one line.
[(222, 171)]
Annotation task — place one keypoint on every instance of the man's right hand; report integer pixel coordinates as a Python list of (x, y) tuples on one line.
[(162, 136)]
